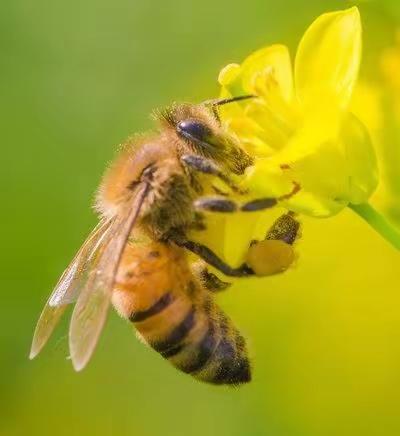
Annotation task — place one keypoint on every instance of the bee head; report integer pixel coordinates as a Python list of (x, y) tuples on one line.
[(199, 130)]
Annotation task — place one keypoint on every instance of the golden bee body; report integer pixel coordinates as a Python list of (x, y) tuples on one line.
[(155, 287), (173, 313), (150, 190)]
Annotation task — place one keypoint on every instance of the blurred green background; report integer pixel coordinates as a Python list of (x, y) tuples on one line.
[(78, 77)]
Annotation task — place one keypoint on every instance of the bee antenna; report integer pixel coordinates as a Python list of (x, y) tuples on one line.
[(231, 100), (214, 104)]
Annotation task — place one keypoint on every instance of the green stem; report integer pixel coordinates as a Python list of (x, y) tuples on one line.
[(378, 222)]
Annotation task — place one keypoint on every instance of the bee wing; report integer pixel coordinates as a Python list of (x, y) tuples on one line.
[(67, 288), (91, 309)]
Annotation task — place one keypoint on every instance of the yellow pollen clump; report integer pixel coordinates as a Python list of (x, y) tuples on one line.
[(270, 257)]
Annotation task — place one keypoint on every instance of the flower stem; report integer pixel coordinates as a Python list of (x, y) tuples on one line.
[(378, 222)]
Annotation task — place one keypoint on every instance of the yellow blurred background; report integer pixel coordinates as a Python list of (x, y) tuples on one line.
[(76, 79)]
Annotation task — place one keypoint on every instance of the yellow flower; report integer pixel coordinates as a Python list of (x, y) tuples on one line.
[(299, 127)]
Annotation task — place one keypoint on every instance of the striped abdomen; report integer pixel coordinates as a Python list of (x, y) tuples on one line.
[(177, 317)]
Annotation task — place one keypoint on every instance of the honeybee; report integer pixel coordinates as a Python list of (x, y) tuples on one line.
[(155, 191)]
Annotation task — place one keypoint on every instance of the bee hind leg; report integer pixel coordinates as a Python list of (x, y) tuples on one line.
[(208, 279), (286, 228), (275, 254), (210, 257)]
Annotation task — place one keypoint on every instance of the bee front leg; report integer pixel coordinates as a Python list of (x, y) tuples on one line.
[(207, 166)]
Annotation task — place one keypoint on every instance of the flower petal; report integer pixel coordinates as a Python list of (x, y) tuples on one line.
[(228, 74), (265, 180), (314, 159), (273, 59), (271, 118), (238, 233), (366, 104), (328, 60), (361, 165)]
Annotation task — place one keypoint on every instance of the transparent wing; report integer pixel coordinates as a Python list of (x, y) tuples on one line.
[(92, 306), (67, 288)]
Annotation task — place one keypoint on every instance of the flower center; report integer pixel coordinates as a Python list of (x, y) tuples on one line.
[(278, 117)]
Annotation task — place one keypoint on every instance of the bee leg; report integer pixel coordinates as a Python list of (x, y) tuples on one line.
[(216, 204), (286, 228), (207, 166), (210, 257), (208, 279), (225, 205), (212, 282)]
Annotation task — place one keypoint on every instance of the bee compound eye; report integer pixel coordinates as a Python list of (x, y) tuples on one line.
[(193, 129)]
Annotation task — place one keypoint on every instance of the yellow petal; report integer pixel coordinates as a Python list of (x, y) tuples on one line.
[(213, 237), (328, 60), (230, 79), (266, 73), (228, 74), (241, 229), (238, 235), (316, 206), (251, 136), (273, 60), (314, 159), (265, 180), (361, 160), (366, 104)]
